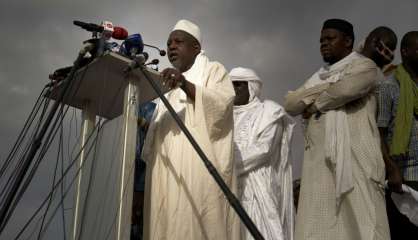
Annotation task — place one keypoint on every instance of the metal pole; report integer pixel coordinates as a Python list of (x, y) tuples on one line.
[(129, 131), (88, 125)]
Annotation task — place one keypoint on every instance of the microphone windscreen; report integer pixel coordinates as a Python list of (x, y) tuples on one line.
[(119, 33)]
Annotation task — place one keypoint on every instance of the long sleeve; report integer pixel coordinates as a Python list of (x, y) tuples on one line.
[(214, 102), (282, 179), (258, 152), (297, 101), (385, 104), (358, 81), (267, 135), (211, 116)]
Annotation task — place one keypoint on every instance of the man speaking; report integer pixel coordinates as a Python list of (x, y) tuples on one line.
[(182, 201)]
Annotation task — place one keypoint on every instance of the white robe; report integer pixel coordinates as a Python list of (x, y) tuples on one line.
[(182, 201), (262, 135), (361, 214)]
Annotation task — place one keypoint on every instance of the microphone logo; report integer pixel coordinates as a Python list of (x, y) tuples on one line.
[(107, 29)]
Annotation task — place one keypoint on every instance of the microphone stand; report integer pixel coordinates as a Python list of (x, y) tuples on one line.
[(233, 201), (6, 210)]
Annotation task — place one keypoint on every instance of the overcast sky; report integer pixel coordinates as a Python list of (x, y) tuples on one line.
[(278, 39)]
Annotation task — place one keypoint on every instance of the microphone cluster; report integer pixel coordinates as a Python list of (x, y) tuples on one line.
[(132, 44), (131, 47)]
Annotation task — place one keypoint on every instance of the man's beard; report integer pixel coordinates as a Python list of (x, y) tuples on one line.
[(329, 59), (177, 64)]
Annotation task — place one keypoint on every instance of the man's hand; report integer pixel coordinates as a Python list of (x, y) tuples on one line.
[(309, 111), (172, 78), (306, 114), (394, 178), (393, 172)]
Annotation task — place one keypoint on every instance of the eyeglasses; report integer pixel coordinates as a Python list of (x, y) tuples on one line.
[(383, 50)]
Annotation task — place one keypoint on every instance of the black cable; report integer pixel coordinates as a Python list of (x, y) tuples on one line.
[(7, 185), (19, 163), (5, 209), (92, 170), (47, 145), (62, 177), (59, 204), (70, 132), (22, 133), (61, 114), (26, 148), (91, 176), (53, 183), (233, 201), (62, 185), (94, 143), (32, 172), (117, 212), (48, 141), (44, 149), (111, 106), (112, 101), (105, 193), (53, 131), (90, 181), (34, 229)]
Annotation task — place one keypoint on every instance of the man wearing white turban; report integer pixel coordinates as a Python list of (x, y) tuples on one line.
[(182, 201), (262, 135)]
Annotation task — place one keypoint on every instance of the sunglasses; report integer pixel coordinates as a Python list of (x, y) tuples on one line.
[(383, 50)]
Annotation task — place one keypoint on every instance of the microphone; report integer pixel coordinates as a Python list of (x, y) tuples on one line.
[(91, 27), (118, 33), (132, 45), (162, 52), (153, 62), (138, 60)]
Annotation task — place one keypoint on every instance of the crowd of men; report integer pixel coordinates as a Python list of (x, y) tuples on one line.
[(361, 144)]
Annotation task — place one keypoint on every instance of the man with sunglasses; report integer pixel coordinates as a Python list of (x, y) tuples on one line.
[(398, 125)]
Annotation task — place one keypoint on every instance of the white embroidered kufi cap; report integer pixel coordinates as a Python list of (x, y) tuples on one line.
[(190, 28)]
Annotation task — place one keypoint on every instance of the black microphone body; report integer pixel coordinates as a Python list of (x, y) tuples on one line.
[(118, 33), (162, 52), (91, 27), (153, 62)]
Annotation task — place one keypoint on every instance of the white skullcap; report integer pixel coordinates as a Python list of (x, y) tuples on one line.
[(247, 75), (190, 28)]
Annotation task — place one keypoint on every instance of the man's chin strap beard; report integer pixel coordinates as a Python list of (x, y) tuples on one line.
[(177, 67)]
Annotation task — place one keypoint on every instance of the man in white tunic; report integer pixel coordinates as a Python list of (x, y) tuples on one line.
[(342, 195), (182, 201), (262, 135)]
